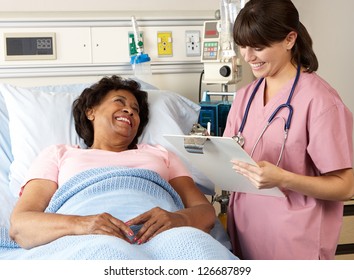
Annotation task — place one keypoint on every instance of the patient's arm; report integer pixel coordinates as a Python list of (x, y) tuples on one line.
[(31, 227), (198, 212)]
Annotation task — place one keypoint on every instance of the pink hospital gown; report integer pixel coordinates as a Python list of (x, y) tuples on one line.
[(59, 163), (319, 141)]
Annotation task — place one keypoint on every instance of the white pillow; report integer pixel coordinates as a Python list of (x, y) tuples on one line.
[(36, 120), (7, 200), (5, 145), (171, 113), (40, 118)]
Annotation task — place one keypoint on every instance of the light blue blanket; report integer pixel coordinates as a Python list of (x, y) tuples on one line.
[(124, 193)]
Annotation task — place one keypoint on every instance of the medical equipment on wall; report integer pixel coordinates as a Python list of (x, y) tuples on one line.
[(221, 65), (239, 137), (219, 52), (213, 113), (139, 60)]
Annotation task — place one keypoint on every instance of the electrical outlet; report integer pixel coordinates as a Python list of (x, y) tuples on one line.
[(192, 43), (164, 43), (132, 44)]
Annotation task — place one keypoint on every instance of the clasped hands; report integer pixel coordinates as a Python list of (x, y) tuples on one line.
[(152, 222)]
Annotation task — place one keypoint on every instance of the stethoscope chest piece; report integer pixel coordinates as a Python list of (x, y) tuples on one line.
[(239, 139)]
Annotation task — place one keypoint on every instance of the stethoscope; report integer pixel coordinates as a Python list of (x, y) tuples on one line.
[(239, 138)]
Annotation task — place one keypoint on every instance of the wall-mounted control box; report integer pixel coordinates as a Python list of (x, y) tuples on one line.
[(30, 46)]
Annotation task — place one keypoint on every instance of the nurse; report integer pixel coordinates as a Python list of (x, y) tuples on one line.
[(305, 149)]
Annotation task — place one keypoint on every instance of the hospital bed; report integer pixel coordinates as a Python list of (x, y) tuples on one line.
[(32, 118)]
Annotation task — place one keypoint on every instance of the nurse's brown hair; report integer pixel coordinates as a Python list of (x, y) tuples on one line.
[(262, 23)]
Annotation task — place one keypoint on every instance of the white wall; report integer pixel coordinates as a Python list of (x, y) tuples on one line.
[(108, 5), (330, 24)]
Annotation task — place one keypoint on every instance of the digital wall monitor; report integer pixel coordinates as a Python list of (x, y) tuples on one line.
[(30, 46)]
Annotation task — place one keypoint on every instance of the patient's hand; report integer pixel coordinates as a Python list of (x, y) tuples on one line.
[(107, 224), (154, 222)]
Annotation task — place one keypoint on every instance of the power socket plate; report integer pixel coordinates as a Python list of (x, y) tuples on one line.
[(164, 43), (193, 43)]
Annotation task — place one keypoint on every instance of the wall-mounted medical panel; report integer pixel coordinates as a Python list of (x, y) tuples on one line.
[(111, 44), (178, 43), (77, 45), (91, 46), (30, 46), (58, 46)]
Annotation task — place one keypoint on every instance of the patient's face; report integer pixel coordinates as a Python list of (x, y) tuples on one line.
[(116, 119)]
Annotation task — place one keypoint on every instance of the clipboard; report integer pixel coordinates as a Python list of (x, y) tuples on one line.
[(212, 156)]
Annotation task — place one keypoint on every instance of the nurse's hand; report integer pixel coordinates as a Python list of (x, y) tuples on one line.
[(264, 175)]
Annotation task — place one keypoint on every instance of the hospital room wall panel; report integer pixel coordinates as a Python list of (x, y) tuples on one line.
[(103, 44), (110, 44), (109, 54), (73, 45), (93, 47)]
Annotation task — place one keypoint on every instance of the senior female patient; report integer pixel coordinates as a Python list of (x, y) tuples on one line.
[(308, 156), (109, 116)]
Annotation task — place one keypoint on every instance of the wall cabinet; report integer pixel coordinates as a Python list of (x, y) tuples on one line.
[(109, 44), (74, 45)]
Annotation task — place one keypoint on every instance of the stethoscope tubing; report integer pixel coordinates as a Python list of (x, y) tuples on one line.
[(285, 105), (239, 137)]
